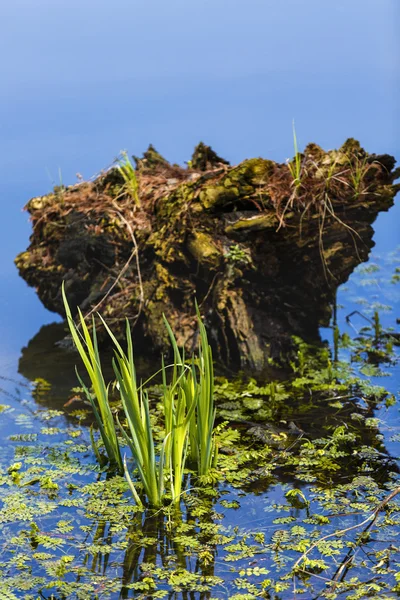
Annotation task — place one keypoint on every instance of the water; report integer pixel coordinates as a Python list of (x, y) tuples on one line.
[(86, 80)]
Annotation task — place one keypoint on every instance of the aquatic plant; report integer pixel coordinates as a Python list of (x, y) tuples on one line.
[(198, 389), (60, 519), (140, 438), (89, 353), (316, 515), (188, 410)]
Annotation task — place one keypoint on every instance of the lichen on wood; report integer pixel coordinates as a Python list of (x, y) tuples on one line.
[(262, 254)]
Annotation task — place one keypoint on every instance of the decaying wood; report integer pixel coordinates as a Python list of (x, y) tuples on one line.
[(263, 254)]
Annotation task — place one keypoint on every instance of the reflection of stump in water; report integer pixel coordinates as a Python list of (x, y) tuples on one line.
[(262, 252), (46, 357), (43, 358)]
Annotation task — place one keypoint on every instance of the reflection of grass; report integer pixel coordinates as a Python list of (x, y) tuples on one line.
[(188, 410)]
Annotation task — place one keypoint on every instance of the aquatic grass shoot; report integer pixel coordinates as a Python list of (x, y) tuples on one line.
[(204, 424), (177, 414), (89, 353), (196, 385), (135, 403), (188, 410)]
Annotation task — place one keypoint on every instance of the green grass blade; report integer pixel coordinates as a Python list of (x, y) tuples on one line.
[(131, 485), (94, 445)]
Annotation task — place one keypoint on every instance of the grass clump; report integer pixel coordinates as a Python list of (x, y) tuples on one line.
[(188, 411), (127, 170), (89, 352)]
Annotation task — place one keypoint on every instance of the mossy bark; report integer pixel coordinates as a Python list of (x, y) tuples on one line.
[(262, 255)]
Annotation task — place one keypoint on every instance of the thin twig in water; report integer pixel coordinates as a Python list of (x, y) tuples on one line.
[(343, 568), (369, 521)]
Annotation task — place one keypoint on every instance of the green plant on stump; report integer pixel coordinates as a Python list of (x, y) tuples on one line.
[(295, 165), (188, 410), (359, 168), (127, 170)]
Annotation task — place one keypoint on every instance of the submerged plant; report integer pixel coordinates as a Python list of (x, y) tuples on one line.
[(188, 409)]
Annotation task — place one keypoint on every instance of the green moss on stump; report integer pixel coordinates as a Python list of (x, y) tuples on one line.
[(262, 257)]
